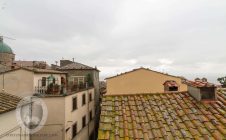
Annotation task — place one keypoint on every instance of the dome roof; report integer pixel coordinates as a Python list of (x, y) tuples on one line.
[(4, 48)]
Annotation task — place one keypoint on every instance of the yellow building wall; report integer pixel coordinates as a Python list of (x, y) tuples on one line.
[(140, 81)]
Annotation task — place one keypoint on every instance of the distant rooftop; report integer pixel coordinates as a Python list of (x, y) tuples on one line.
[(37, 70), (70, 65), (199, 83), (37, 64)]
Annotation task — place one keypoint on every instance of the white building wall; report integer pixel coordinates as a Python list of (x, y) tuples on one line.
[(38, 77), (61, 117), (23, 82), (9, 128), (76, 115), (53, 129)]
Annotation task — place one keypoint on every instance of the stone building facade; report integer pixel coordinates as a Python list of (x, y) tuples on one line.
[(77, 74)]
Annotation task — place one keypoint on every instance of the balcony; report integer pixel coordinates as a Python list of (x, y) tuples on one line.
[(77, 88), (53, 89)]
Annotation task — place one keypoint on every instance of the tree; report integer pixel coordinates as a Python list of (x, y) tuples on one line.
[(222, 81)]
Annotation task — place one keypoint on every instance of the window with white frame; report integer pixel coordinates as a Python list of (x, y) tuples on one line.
[(76, 80), (43, 81)]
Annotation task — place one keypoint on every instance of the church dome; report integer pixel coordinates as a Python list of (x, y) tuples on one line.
[(4, 48)]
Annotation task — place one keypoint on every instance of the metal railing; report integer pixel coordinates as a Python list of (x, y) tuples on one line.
[(60, 89), (51, 89)]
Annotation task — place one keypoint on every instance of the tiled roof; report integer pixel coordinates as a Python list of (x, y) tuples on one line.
[(8, 102), (199, 84), (76, 66), (31, 64), (36, 70), (161, 116), (144, 69)]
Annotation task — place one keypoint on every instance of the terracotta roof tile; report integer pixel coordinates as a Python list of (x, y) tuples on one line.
[(161, 116), (37, 70), (8, 102), (199, 84)]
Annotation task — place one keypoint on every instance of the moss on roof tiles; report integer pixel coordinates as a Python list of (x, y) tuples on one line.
[(162, 116)]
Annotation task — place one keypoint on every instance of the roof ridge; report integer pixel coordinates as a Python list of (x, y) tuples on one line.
[(77, 65), (133, 70), (149, 93)]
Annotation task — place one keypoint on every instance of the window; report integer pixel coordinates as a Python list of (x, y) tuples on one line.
[(207, 93), (43, 81), (83, 121), (90, 97), (74, 130), (90, 115), (83, 99), (76, 80), (74, 103), (173, 88), (81, 79)]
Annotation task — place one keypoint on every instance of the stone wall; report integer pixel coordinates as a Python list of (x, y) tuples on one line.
[(7, 58)]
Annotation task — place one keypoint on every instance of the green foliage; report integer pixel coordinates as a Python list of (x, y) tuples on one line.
[(89, 80), (222, 80)]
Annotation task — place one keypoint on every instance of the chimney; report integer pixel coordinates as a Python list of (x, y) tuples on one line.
[(201, 90), (204, 79), (197, 79)]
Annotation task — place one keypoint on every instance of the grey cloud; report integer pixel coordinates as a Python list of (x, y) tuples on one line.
[(121, 35)]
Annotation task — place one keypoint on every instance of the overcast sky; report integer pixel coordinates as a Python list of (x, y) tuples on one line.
[(181, 37)]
